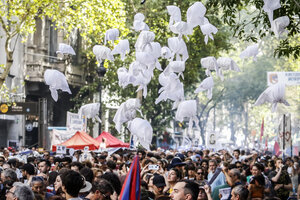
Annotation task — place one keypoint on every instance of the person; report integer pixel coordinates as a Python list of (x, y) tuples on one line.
[(44, 168), (257, 170), (101, 189), (190, 172), (76, 166), (38, 187), (220, 179), (236, 156), (27, 173), (204, 193), (256, 187), (281, 181), (200, 175), (185, 189), (72, 182), (173, 177), (239, 193), (158, 185), (19, 191)]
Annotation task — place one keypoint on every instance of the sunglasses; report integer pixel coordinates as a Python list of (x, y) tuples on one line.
[(199, 173)]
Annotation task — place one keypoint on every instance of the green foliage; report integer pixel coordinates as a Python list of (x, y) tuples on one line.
[(157, 18), (249, 22)]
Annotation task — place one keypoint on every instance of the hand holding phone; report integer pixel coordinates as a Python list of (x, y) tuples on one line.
[(153, 167)]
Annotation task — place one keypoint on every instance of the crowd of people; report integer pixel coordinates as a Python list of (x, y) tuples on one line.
[(188, 175)]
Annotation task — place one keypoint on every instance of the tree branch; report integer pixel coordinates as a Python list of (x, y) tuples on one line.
[(4, 26)]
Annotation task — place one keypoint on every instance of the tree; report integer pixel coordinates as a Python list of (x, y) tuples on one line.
[(91, 17), (157, 19), (249, 22)]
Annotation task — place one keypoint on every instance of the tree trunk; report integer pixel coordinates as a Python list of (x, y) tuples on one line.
[(9, 62), (232, 138)]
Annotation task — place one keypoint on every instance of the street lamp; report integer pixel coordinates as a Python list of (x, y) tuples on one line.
[(101, 72)]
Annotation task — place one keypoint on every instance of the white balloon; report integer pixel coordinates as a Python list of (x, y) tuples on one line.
[(139, 24), (124, 77), (195, 14), (56, 81), (126, 112), (269, 7), (166, 53), (209, 63), (145, 38), (175, 14), (178, 48), (207, 30), (187, 109), (280, 24), (250, 51), (65, 49), (90, 111), (141, 131), (102, 53), (206, 84), (121, 48), (273, 94), (111, 34), (226, 64), (176, 67), (171, 89)]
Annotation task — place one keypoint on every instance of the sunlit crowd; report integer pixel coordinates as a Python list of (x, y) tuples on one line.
[(164, 174)]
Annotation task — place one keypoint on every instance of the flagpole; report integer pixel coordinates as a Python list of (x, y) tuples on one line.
[(283, 142)]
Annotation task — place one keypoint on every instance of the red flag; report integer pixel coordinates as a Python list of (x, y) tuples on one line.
[(266, 143), (131, 189), (276, 149), (261, 130)]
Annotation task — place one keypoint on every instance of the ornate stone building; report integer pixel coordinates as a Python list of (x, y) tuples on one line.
[(31, 59)]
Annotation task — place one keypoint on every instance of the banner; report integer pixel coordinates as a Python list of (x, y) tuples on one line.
[(289, 78), (75, 123), (60, 136), (285, 125)]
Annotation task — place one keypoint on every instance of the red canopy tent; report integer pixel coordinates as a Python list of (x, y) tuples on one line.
[(111, 141), (79, 141)]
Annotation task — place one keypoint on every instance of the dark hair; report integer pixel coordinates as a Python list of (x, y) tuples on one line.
[(114, 180), (67, 159), (141, 151), (259, 178), (204, 161), (111, 165), (31, 159), (102, 186), (47, 162), (73, 182), (146, 195), (57, 159), (88, 174), (52, 177), (237, 150), (178, 173), (191, 188), (259, 166), (77, 164), (169, 157)]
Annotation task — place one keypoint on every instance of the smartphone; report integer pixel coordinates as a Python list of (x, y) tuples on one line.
[(153, 167)]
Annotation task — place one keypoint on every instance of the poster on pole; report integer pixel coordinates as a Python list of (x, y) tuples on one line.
[(60, 149), (285, 133), (75, 123)]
